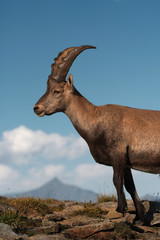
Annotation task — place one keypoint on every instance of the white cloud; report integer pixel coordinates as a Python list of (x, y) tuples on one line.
[(8, 177), (92, 170), (47, 172), (26, 157), (52, 170), (22, 145), (95, 177), (36, 177), (13, 181), (6, 173)]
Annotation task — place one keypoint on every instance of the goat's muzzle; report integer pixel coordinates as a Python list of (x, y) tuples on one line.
[(39, 110)]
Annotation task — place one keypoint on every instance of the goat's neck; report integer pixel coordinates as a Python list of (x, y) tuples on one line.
[(81, 113)]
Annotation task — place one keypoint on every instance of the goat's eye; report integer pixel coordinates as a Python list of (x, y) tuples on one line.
[(56, 92)]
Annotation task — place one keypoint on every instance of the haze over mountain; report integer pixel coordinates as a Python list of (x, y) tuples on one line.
[(60, 191)]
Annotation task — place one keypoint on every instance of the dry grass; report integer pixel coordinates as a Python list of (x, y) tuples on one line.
[(27, 206), (123, 231), (106, 198), (19, 211), (18, 221), (91, 210)]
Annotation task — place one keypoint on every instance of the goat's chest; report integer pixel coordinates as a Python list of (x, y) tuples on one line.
[(104, 147), (101, 154)]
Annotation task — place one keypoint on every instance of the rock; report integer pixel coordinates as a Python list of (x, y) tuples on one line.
[(156, 219), (6, 230), (64, 224), (7, 238), (114, 214), (6, 233), (130, 206), (149, 229), (79, 221), (144, 229), (88, 230), (146, 205), (51, 229), (130, 217), (118, 220), (54, 217), (107, 206), (100, 236), (68, 223), (49, 220), (74, 208), (67, 212), (47, 237)]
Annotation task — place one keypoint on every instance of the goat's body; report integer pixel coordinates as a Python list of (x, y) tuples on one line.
[(120, 137), (116, 132), (117, 136), (135, 134)]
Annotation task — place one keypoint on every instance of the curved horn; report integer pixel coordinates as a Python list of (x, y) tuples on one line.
[(64, 61)]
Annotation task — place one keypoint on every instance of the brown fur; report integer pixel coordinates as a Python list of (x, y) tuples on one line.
[(117, 136)]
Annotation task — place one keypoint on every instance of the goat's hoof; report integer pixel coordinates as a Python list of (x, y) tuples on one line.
[(122, 210), (139, 221)]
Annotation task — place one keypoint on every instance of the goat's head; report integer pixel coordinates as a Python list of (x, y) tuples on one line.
[(59, 90)]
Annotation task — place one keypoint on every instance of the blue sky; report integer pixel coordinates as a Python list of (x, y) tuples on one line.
[(124, 69)]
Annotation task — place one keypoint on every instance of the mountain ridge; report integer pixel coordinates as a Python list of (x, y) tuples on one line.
[(60, 191)]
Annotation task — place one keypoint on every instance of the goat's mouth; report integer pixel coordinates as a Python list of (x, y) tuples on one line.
[(39, 110), (41, 114)]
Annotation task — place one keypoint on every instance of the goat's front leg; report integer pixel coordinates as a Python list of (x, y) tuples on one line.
[(118, 179)]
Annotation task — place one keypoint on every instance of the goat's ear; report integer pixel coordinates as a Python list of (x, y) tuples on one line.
[(70, 81)]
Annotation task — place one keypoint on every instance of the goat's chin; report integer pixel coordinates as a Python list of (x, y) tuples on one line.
[(41, 114), (47, 113)]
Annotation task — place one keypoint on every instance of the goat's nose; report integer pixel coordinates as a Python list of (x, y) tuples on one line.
[(39, 110), (36, 108)]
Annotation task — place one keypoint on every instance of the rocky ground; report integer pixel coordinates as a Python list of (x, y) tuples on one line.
[(55, 220)]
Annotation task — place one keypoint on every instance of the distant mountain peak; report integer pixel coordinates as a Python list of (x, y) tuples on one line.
[(60, 191)]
